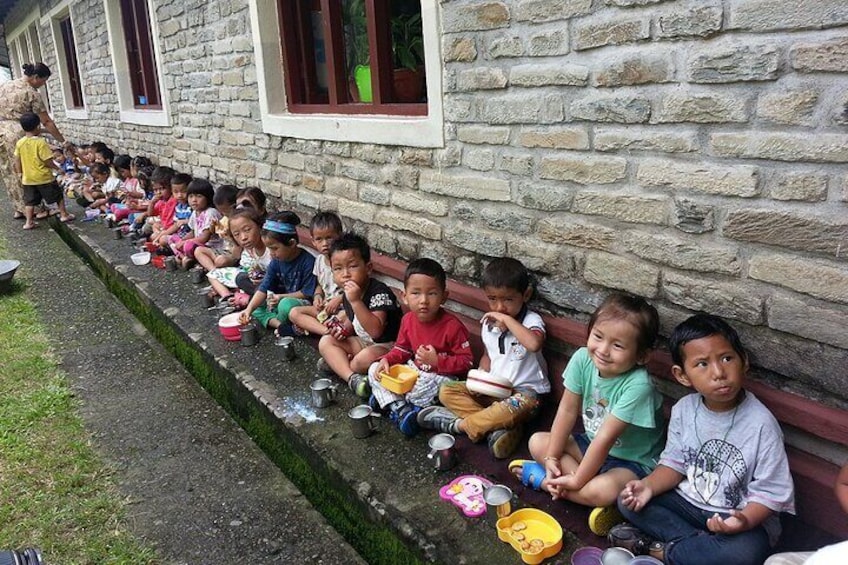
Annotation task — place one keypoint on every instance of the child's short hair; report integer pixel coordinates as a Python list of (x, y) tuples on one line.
[(248, 213), (506, 272), (253, 193), (226, 194), (326, 221), (701, 326), (634, 309), (162, 175), (97, 146), (100, 168), (30, 121), (202, 187), (350, 240), (107, 154), (122, 163), (281, 227), (181, 178), (428, 267)]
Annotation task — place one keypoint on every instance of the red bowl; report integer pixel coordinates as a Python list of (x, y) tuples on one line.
[(229, 326)]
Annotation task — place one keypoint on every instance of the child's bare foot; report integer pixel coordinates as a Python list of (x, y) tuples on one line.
[(186, 263), (30, 225)]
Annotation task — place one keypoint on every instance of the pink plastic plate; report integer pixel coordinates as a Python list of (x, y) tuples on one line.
[(466, 493), (587, 556)]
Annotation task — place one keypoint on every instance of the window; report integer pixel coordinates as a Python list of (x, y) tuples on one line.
[(69, 50), (133, 38), (316, 61)]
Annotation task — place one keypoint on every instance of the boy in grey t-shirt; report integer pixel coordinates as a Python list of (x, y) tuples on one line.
[(723, 477)]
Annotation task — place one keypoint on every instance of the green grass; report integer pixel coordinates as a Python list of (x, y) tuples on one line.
[(55, 493)]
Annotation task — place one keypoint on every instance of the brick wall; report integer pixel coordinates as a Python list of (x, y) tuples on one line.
[(692, 152)]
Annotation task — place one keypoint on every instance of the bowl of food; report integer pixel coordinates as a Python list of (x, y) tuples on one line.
[(487, 384), (399, 379), (140, 258)]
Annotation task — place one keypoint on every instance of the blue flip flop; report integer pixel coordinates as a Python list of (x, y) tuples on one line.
[(532, 473)]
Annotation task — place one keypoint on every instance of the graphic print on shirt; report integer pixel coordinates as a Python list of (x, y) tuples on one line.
[(595, 413), (716, 466)]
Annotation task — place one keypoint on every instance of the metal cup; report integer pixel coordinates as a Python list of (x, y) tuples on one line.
[(286, 344), (323, 392), (442, 451), (198, 276), (207, 300), (498, 503), (117, 233), (170, 263), (363, 421), (249, 335)]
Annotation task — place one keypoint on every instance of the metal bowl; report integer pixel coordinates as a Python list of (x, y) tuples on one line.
[(7, 270)]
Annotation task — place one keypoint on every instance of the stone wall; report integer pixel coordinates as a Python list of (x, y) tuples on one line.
[(692, 152)]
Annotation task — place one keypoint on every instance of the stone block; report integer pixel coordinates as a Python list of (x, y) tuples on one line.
[(588, 34), (482, 134), (481, 78), (475, 240), (621, 273), (450, 156), (810, 319), (459, 109), (537, 11), (730, 180), (692, 217), (793, 231), (521, 165), (824, 56), (577, 232), (733, 61), (548, 43), (726, 299), (779, 146), (357, 211), (459, 49), (640, 209), (583, 169), (688, 254), (476, 17), (522, 108), (409, 222), (291, 160), (540, 257), (569, 137), (403, 176), (637, 139), (542, 196), (506, 220), (631, 69), (794, 107), (702, 107), (374, 194), (629, 3), (565, 294), (689, 20), (826, 280), (345, 188), (605, 108), (501, 47), (466, 187), (548, 75), (479, 159), (416, 157), (808, 187), (416, 202), (771, 15), (360, 171), (369, 153)]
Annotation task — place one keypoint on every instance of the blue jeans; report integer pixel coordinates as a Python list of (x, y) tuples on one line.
[(683, 527)]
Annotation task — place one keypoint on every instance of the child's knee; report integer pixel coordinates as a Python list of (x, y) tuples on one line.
[(221, 261)]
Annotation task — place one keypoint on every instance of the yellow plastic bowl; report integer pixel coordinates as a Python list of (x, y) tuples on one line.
[(400, 379), (537, 525)]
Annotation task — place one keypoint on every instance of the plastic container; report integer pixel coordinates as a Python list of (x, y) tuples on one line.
[(230, 327), (487, 384), (400, 379), (140, 258), (534, 525), (587, 556)]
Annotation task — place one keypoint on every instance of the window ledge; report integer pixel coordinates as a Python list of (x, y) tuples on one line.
[(76, 114), (146, 117), (413, 131)]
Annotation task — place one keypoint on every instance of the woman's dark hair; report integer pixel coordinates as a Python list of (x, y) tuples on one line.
[(350, 240), (700, 326), (285, 217), (226, 194), (506, 272), (428, 267), (38, 69), (100, 168), (122, 163), (634, 309), (326, 221), (202, 187)]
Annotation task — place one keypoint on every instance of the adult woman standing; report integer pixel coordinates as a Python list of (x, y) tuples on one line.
[(16, 98)]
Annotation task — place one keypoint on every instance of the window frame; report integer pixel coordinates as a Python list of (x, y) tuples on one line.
[(129, 111), (279, 119), (53, 20)]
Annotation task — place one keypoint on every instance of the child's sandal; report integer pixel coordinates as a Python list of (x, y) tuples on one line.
[(528, 472)]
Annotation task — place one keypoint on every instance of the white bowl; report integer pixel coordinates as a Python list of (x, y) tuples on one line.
[(140, 258), (8, 268), (481, 382)]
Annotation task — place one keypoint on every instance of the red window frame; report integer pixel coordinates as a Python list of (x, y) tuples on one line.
[(140, 56), (301, 73), (71, 62)]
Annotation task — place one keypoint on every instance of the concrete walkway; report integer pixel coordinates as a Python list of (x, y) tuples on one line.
[(200, 490)]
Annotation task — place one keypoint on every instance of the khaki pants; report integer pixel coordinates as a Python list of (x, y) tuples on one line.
[(484, 414)]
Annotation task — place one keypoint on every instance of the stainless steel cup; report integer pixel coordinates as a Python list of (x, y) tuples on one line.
[(198, 276), (323, 392), (363, 421), (249, 335), (170, 263), (207, 301), (498, 503), (442, 451), (286, 344), (117, 233)]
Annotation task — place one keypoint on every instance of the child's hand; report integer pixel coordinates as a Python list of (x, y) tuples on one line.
[(244, 317), (353, 291), (272, 300), (318, 301), (426, 356), (495, 320), (382, 367), (636, 495), (735, 523), (553, 470), (332, 305)]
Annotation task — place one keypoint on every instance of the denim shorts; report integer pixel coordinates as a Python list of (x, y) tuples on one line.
[(611, 462)]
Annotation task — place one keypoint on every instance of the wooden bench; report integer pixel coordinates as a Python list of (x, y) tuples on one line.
[(819, 520)]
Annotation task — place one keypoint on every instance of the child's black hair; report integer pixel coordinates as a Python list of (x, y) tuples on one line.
[(183, 179), (248, 213), (326, 221), (122, 163), (202, 187), (140, 161), (162, 175), (30, 121), (428, 267), (506, 272), (107, 154), (700, 326), (255, 194), (350, 240), (634, 309), (284, 217), (97, 146), (100, 168), (226, 194)]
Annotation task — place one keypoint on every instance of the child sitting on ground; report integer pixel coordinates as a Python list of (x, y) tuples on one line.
[(723, 476), (102, 187), (513, 337), (227, 253), (246, 230), (201, 223), (180, 213), (607, 383), (325, 228), (34, 162), (289, 281), (430, 339), (160, 211), (368, 324)]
